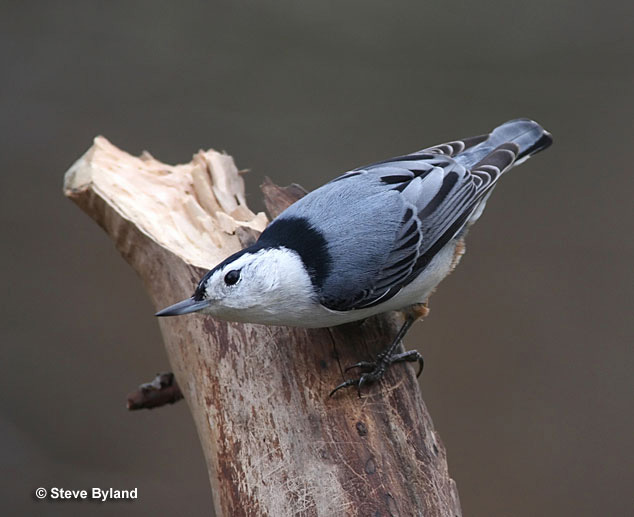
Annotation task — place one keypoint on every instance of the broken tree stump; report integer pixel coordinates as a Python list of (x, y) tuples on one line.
[(274, 442)]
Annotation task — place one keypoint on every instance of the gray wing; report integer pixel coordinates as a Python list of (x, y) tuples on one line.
[(438, 194)]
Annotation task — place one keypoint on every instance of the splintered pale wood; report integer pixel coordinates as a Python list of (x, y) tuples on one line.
[(274, 443)]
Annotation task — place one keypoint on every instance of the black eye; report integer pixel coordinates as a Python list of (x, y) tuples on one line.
[(232, 277)]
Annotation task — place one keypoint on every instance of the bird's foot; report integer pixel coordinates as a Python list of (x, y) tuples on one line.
[(373, 371)]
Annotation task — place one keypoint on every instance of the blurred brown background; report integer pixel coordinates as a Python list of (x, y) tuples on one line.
[(528, 346)]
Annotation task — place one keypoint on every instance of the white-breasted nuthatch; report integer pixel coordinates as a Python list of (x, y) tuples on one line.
[(376, 239)]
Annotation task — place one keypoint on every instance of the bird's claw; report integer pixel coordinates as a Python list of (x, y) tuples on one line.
[(410, 357), (364, 365), (366, 378), (376, 369)]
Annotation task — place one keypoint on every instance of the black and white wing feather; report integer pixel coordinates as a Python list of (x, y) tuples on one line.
[(440, 194), (380, 226)]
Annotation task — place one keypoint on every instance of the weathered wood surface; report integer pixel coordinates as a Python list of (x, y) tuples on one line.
[(274, 443)]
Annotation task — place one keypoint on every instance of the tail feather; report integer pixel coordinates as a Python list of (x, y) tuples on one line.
[(527, 135)]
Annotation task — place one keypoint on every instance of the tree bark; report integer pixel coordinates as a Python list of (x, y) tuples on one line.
[(161, 391), (274, 442)]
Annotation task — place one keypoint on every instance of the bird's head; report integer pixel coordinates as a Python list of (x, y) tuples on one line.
[(257, 285)]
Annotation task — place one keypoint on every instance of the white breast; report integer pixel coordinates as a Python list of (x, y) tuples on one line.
[(417, 291), (280, 292)]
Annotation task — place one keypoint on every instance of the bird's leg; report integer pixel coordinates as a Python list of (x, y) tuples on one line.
[(374, 371)]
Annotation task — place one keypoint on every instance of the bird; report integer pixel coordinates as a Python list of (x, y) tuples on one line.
[(378, 238)]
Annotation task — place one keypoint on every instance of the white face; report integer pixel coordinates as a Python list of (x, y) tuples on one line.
[(269, 286)]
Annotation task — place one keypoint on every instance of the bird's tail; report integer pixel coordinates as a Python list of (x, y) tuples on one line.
[(528, 135)]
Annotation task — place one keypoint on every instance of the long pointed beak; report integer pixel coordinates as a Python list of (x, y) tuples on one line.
[(184, 307)]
